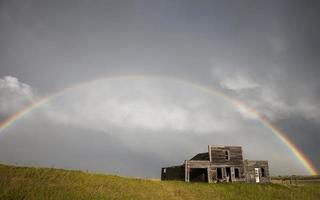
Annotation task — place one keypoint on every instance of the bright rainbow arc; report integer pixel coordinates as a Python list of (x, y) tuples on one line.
[(277, 132)]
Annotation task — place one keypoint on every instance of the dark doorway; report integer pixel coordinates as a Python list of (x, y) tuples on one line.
[(262, 172), (219, 173), (228, 173), (236, 173), (199, 174)]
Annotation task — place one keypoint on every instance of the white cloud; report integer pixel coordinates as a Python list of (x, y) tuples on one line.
[(143, 105), (14, 95), (246, 112), (238, 83)]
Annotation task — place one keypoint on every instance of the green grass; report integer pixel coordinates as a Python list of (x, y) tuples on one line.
[(43, 183)]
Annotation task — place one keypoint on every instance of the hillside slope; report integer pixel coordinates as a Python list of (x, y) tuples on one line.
[(43, 183)]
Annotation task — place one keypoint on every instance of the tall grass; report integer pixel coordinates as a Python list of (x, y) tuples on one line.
[(43, 183)]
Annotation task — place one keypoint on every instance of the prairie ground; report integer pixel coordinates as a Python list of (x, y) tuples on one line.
[(45, 183)]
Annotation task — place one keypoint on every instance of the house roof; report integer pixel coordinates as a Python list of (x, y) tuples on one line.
[(201, 156)]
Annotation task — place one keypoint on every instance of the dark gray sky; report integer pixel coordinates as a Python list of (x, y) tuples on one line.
[(264, 53)]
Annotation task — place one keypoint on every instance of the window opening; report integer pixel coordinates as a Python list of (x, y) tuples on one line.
[(227, 155)]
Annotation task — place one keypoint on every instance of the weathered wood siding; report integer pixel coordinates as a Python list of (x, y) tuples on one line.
[(218, 155), (250, 165), (204, 167), (173, 173), (197, 163)]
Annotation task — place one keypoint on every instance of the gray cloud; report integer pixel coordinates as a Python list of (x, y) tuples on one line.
[(270, 95), (136, 128), (264, 53)]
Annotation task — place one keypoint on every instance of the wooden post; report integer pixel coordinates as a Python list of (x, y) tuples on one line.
[(208, 174), (209, 152), (186, 171)]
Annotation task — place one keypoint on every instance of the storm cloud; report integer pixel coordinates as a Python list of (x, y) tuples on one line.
[(263, 53), (150, 122)]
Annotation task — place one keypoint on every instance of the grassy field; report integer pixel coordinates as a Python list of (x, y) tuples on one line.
[(296, 180), (43, 183)]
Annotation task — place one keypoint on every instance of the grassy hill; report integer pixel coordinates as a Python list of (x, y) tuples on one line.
[(43, 183)]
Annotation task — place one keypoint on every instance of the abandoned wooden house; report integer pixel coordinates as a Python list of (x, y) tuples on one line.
[(219, 164)]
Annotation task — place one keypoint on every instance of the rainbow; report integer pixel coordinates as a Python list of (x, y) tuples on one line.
[(277, 132)]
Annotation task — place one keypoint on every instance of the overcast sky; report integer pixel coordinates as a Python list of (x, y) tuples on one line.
[(263, 53)]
